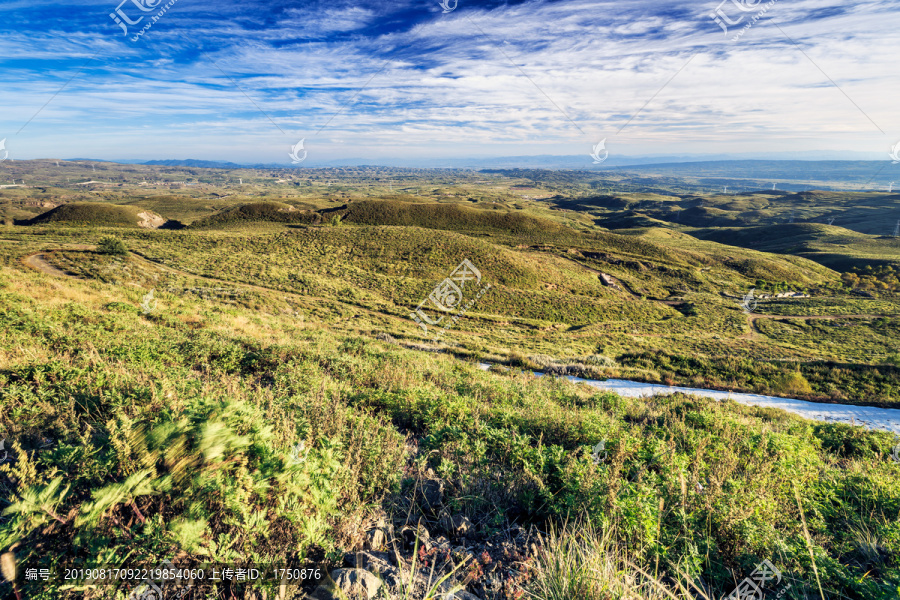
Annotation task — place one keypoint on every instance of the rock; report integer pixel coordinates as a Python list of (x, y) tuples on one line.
[(380, 563), (376, 562), (375, 539), (432, 493), (411, 534), (356, 583), (150, 220), (461, 526), (460, 595), (321, 593)]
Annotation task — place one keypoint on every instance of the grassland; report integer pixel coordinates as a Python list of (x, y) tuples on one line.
[(146, 434), (94, 214), (108, 410)]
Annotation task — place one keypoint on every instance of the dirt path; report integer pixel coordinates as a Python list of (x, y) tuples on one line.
[(39, 262)]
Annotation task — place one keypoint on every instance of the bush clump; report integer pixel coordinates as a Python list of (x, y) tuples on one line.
[(113, 246)]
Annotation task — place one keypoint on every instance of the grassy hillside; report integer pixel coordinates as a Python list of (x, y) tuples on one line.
[(446, 216), (243, 214), (674, 315), (97, 214), (835, 247), (253, 387), (139, 437)]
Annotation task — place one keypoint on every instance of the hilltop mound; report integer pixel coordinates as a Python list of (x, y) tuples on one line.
[(835, 247), (255, 212), (443, 216), (99, 214), (780, 238)]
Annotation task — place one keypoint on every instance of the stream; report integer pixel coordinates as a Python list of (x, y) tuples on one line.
[(887, 419)]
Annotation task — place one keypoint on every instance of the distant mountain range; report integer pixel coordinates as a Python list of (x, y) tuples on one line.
[(200, 164), (709, 170)]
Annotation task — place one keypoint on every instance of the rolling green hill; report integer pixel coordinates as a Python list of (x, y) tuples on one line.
[(256, 212), (451, 216), (97, 214), (835, 247)]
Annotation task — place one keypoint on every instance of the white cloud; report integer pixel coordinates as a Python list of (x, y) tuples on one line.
[(450, 89)]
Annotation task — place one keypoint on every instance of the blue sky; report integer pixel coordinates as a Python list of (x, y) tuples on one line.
[(245, 80)]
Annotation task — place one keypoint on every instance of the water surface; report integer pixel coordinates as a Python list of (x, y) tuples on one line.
[(887, 419)]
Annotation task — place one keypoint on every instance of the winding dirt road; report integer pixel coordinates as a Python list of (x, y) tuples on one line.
[(38, 262)]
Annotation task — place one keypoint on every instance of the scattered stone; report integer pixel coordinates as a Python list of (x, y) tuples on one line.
[(411, 534), (432, 492), (386, 337), (322, 593), (369, 561), (380, 563), (461, 526), (356, 583), (463, 595), (375, 539)]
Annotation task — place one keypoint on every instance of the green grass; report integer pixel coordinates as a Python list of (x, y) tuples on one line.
[(133, 406), (142, 435), (243, 214), (91, 214), (682, 296)]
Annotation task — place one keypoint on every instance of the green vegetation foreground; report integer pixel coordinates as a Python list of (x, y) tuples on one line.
[(138, 437)]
